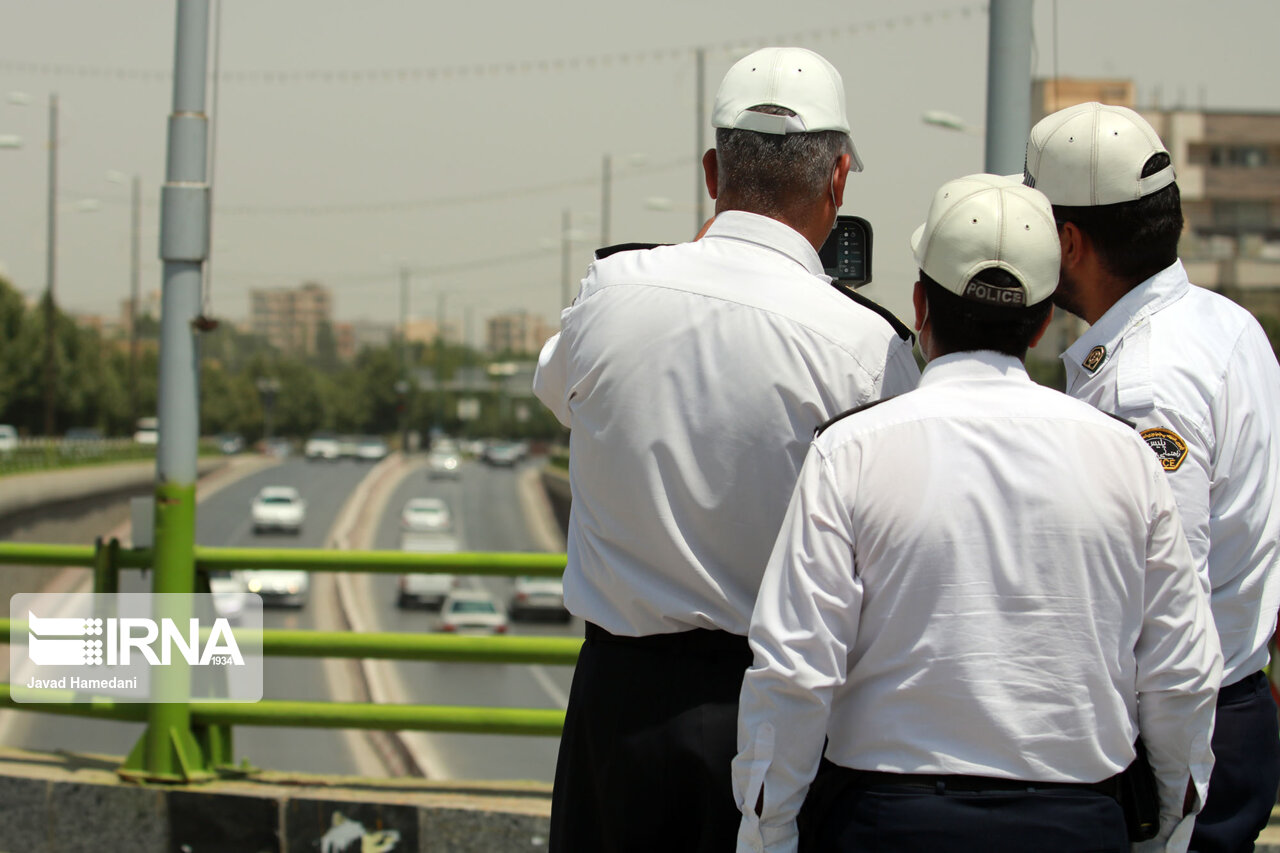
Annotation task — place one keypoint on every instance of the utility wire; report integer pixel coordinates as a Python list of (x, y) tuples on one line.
[(509, 68), (407, 205)]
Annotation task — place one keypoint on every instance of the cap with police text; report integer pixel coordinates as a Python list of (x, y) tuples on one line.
[(1093, 154), (985, 222), (790, 77)]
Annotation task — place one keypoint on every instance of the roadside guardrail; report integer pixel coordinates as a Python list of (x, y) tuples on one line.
[(206, 751)]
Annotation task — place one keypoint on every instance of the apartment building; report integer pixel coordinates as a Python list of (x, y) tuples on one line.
[(291, 318)]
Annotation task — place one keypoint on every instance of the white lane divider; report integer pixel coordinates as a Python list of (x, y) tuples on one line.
[(355, 593), (545, 681)]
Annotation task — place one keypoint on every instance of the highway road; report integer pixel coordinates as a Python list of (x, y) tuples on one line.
[(488, 512), (489, 518)]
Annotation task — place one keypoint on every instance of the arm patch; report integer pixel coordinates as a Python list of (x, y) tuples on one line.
[(1168, 446)]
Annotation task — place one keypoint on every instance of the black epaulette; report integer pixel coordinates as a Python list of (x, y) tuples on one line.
[(601, 254), (1130, 424), (898, 326), (821, 427)]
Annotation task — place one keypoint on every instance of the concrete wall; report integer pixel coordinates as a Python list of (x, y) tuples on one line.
[(555, 483), (73, 803)]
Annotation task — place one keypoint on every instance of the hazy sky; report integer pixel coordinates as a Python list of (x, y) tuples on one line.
[(356, 137)]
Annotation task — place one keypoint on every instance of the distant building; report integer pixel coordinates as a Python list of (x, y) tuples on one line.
[(1053, 94), (1228, 167), (290, 319), (355, 336), (421, 330), (520, 332)]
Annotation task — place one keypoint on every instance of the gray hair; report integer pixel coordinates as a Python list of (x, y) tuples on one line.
[(771, 173)]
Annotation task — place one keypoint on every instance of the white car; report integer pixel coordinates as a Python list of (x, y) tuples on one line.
[(148, 431), (472, 610), (419, 589), (425, 515), (228, 591), (323, 445), (442, 464), (8, 440), (504, 454), (542, 597), (278, 508), (370, 448), (281, 587)]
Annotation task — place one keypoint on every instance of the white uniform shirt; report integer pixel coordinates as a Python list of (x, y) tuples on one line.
[(1195, 372), (983, 577), (692, 378)]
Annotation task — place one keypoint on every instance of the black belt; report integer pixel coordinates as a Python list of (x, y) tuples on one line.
[(1243, 688), (694, 641), (972, 784)]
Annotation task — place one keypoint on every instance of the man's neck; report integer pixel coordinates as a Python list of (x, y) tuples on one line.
[(812, 227), (1108, 292)]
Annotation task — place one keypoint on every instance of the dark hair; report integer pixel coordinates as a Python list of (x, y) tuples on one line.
[(773, 174), (1134, 239), (962, 325)]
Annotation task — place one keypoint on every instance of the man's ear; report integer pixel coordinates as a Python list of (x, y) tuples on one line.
[(841, 174), (711, 169), (918, 302), (1074, 245)]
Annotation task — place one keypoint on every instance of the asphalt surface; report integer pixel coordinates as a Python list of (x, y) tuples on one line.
[(488, 518), (488, 515)]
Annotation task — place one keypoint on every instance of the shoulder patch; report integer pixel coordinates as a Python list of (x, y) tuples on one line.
[(1094, 359), (625, 247), (821, 427), (1168, 446), (898, 326)]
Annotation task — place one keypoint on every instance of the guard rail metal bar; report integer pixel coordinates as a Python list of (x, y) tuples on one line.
[(205, 751)]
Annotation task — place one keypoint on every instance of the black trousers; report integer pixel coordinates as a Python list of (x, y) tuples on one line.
[(1246, 769), (853, 815), (649, 735)]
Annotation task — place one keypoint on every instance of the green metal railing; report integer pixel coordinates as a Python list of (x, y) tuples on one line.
[(204, 751)]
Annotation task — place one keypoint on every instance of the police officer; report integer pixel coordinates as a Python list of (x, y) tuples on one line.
[(1197, 375), (980, 595), (692, 377)]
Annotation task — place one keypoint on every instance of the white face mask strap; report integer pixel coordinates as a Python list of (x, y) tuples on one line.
[(920, 331)]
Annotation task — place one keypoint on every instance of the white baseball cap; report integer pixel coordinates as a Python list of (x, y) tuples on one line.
[(791, 77), (985, 222), (1093, 154)]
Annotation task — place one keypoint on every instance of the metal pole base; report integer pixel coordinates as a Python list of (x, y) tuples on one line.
[(185, 755), (216, 741)]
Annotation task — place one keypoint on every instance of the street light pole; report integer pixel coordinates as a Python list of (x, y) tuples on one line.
[(51, 250), (699, 183), (1008, 85), (564, 258), (606, 200), (268, 388), (440, 407), (135, 264)]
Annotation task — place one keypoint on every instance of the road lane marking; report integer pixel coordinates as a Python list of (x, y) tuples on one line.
[(539, 673), (355, 594)]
